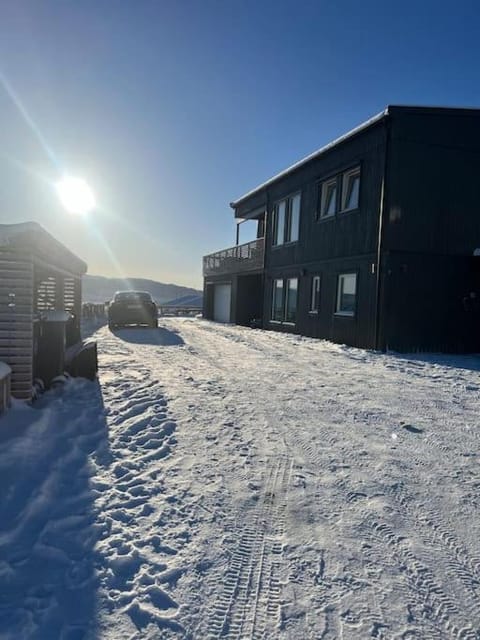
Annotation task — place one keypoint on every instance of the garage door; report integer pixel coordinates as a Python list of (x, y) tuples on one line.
[(221, 302)]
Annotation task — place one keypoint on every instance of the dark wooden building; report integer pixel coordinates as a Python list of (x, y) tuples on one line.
[(372, 241)]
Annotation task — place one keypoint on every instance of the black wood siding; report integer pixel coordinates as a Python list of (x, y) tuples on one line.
[(430, 231), (349, 234), (424, 308), (249, 299), (345, 243), (358, 330), (424, 166), (433, 183)]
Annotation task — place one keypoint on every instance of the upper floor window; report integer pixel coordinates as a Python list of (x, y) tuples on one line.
[(279, 222), (328, 198), (350, 189), (286, 220), (294, 218), (339, 194)]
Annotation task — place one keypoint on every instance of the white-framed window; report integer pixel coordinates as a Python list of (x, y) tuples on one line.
[(346, 294), (284, 300), (328, 198), (291, 296), (315, 294), (294, 218), (279, 222), (351, 189), (277, 301), (286, 220)]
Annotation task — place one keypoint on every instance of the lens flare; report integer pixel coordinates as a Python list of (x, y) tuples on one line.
[(75, 195)]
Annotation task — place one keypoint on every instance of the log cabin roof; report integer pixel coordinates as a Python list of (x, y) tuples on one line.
[(31, 237)]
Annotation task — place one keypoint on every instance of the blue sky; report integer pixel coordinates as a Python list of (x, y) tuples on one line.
[(171, 109)]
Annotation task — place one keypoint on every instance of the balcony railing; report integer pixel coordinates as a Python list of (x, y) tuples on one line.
[(243, 257)]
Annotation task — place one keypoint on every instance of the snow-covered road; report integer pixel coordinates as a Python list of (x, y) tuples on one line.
[(230, 483)]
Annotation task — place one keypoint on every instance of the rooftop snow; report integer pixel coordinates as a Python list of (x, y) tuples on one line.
[(368, 123), (8, 232), (32, 237), (315, 154)]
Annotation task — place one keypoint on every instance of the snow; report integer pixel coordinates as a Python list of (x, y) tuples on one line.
[(9, 232), (300, 163), (223, 482)]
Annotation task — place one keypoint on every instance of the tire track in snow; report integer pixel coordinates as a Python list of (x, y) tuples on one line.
[(441, 609), (426, 592), (461, 566), (249, 605)]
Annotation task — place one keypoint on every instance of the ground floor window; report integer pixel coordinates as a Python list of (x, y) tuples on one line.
[(277, 301), (284, 300), (315, 295), (346, 294)]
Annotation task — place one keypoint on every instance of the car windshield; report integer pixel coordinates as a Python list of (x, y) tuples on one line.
[(135, 296)]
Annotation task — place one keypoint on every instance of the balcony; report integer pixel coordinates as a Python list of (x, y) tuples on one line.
[(238, 259)]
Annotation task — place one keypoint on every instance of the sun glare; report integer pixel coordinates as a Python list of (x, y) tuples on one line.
[(75, 195)]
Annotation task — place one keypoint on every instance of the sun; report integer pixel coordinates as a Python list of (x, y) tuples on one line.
[(75, 195)]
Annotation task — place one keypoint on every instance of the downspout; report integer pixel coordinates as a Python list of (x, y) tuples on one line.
[(265, 228), (382, 212), (265, 307)]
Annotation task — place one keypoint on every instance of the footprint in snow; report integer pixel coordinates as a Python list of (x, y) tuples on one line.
[(299, 481), (412, 429)]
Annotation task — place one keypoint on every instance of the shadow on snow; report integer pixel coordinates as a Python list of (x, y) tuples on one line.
[(470, 362), (141, 335), (48, 584)]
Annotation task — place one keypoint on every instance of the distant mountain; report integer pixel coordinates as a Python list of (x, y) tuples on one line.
[(192, 300), (101, 289)]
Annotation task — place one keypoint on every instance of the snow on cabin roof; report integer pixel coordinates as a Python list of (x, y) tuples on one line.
[(10, 231), (32, 237)]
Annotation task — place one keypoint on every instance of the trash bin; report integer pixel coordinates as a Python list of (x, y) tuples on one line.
[(5, 386), (81, 360), (49, 347)]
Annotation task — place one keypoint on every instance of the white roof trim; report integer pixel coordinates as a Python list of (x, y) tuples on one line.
[(313, 155)]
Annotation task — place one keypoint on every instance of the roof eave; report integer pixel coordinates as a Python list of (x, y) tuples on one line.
[(365, 125)]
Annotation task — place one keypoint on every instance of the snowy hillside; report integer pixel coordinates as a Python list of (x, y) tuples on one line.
[(101, 289), (222, 482), (194, 300)]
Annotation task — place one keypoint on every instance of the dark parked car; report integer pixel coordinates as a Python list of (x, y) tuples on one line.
[(132, 307)]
